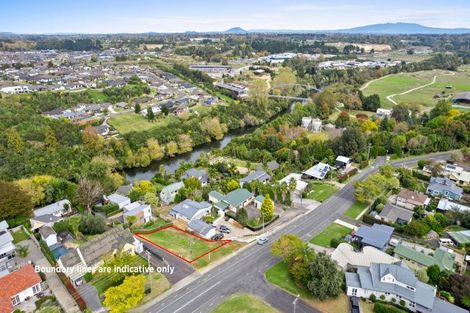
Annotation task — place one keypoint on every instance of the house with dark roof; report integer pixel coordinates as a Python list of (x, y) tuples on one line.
[(202, 228), (189, 210), (445, 188), (259, 175), (377, 236), (91, 253), (396, 282), (418, 260), (17, 287), (394, 214), (200, 174)]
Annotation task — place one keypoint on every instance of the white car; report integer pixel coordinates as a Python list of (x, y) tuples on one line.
[(262, 240)]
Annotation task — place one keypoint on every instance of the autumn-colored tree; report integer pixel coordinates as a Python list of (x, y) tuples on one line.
[(171, 148), (232, 185), (185, 143), (14, 140), (258, 92), (50, 139), (13, 201), (122, 298), (267, 209), (288, 247), (284, 81)]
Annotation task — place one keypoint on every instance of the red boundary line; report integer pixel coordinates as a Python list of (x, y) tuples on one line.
[(224, 242)]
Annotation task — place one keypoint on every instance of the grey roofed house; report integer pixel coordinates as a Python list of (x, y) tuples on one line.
[(168, 193), (119, 200), (57, 208), (318, 171), (3, 226), (261, 176), (394, 214), (441, 186), (446, 205), (272, 165), (102, 129), (201, 175), (462, 97), (46, 231), (200, 226), (377, 235), (189, 209)]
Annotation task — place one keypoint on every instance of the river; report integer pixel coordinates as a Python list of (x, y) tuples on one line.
[(171, 164)]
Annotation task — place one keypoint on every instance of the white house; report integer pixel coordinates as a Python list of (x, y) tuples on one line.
[(118, 199), (142, 211), (7, 248), (300, 185), (189, 210), (48, 235), (17, 287), (59, 208), (168, 193), (318, 171)]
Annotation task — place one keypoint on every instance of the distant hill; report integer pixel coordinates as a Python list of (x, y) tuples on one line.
[(236, 30), (402, 28)]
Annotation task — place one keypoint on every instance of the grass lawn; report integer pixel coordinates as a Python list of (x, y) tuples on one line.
[(279, 276), (366, 307), (398, 83), (181, 243), (160, 284), (320, 191), (19, 236), (218, 254), (333, 231), (244, 303), (355, 210), (129, 122)]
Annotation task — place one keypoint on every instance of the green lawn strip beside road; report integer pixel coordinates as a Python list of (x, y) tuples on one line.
[(181, 243), (218, 254), (244, 303), (320, 191), (355, 210), (334, 231), (19, 236)]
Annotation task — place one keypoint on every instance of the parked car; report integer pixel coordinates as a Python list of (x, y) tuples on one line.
[(354, 305), (218, 236), (262, 240), (224, 229)]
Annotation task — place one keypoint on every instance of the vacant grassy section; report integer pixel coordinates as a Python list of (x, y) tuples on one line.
[(320, 191), (334, 231), (181, 243), (244, 303), (128, 122), (355, 210), (19, 236), (218, 254)]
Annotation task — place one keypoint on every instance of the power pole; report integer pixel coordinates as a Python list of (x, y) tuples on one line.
[(368, 151)]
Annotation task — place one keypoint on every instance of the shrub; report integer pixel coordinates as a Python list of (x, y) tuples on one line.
[(88, 276), (386, 308), (91, 225), (372, 298), (402, 302), (382, 297)]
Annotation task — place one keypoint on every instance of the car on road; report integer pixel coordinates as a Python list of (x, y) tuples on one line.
[(262, 240), (218, 236), (224, 229)]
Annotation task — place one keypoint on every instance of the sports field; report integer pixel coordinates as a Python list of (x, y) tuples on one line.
[(419, 87), (182, 244)]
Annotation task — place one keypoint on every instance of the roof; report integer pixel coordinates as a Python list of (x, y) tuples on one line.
[(52, 208), (446, 205), (46, 231), (124, 190), (3, 225), (236, 197), (256, 175), (199, 174), (135, 208), (5, 238), (444, 306), (343, 159), (345, 255), (216, 194), (188, 208), (14, 283), (462, 237), (377, 236), (440, 184), (272, 165), (173, 187), (393, 213), (259, 198), (118, 199), (318, 171), (443, 259), (413, 196), (369, 278), (462, 96), (200, 226)]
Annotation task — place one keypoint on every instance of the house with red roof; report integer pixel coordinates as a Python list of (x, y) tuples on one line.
[(18, 286)]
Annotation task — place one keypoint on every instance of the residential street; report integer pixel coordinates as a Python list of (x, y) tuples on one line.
[(245, 271)]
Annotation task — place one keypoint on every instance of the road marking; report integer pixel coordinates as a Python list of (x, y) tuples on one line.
[(207, 290)]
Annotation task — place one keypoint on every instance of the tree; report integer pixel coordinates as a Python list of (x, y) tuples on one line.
[(401, 113), (137, 108), (267, 209), (150, 114), (258, 93), (13, 201), (126, 296), (371, 103), (88, 193), (242, 216), (398, 144), (92, 224), (343, 120), (351, 142), (152, 199), (441, 108), (22, 251), (288, 247), (326, 279), (213, 127), (131, 219), (232, 185), (458, 286), (434, 274), (14, 140), (422, 275), (50, 139), (192, 183), (185, 143), (284, 81)]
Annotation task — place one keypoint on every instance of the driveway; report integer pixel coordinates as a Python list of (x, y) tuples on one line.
[(91, 298)]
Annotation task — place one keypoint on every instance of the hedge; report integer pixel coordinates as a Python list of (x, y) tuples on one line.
[(387, 308), (47, 252), (143, 230)]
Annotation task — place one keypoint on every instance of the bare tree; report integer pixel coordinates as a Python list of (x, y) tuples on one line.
[(88, 192)]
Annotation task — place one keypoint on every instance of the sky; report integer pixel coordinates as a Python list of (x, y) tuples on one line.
[(137, 16)]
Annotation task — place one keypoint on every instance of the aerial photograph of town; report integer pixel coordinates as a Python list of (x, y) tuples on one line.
[(250, 156)]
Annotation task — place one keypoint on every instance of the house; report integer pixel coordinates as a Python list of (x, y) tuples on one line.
[(232, 201), (461, 237), (118, 199), (258, 201), (168, 193), (342, 162), (383, 112), (311, 124), (17, 287), (446, 205), (396, 281), (300, 185), (457, 173), (102, 130), (418, 260), (272, 165), (43, 220), (210, 100), (318, 171), (377, 236), (7, 248), (142, 212), (201, 175), (410, 198), (461, 98), (202, 228), (91, 253), (48, 235), (394, 214), (348, 259), (259, 175), (189, 210), (58, 209), (444, 187)]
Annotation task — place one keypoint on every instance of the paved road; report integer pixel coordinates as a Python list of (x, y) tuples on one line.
[(245, 271)]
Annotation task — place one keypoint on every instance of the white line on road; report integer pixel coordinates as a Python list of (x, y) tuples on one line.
[(207, 290)]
